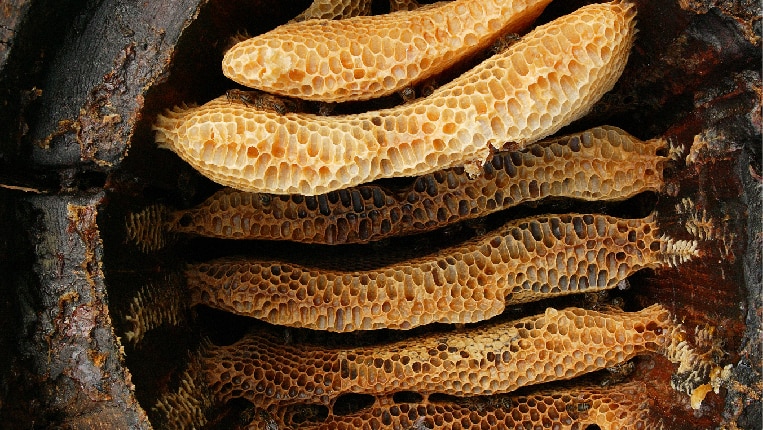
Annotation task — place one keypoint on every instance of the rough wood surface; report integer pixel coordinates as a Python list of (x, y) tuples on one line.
[(74, 364), (72, 80)]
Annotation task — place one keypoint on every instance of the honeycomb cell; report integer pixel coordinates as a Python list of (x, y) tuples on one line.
[(362, 138), (524, 260)]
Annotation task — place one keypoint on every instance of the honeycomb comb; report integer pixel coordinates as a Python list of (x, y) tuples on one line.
[(604, 163), (366, 57), (556, 345), (525, 260), (622, 407), (532, 89)]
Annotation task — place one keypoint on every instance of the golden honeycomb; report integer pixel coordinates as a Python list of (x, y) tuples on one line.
[(334, 9), (529, 91), (371, 56), (604, 163), (525, 260), (493, 359), (625, 407)]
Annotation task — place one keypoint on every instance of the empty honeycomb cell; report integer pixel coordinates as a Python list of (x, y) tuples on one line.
[(447, 286), (182, 130), (376, 48), (454, 363), (432, 201)]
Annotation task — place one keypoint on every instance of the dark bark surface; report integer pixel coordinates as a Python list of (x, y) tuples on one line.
[(72, 77), (81, 81)]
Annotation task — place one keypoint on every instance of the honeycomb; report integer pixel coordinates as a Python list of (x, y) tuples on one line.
[(549, 78), (367, 57), (524, 260), (494, 359), (186, 407), (398, 5), (156, 304), (604, 163), (147, 228), (343, 9), (334, 9), (625, 407)]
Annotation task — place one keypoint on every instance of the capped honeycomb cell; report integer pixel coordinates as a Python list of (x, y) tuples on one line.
[(365, 57), (549, 78), (524, 260)]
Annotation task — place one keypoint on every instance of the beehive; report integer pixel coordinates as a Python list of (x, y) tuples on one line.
[(69, 273)]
